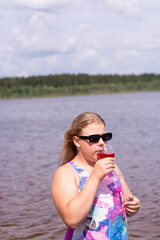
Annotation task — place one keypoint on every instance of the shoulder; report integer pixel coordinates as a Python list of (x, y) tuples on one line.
[(65, 174), (64, 170)]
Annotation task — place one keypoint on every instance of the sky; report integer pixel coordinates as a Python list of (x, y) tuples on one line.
[(42, 37)]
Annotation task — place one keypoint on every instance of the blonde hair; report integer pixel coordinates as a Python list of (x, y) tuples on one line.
[(69, 150)]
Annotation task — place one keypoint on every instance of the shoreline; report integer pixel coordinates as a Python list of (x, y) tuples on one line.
[(74, 95)]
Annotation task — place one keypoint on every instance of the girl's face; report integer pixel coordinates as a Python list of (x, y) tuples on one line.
[(88, 149)]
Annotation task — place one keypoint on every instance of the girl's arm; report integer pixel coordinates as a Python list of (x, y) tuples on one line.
[(72, 206), (131, 203)]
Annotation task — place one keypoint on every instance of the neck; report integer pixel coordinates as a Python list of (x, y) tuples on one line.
[(85, 164)]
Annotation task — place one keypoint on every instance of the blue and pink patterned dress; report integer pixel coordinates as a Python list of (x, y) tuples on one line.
[(107, 217)]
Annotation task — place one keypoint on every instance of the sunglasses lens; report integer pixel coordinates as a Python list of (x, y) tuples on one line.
[(107, 137), (94, 138)]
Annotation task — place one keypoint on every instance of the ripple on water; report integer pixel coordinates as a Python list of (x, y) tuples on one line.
[(30, 138)]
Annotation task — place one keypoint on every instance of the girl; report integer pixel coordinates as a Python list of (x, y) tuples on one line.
[(88, 197)]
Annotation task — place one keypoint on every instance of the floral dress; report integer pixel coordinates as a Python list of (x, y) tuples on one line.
[(107, 217)]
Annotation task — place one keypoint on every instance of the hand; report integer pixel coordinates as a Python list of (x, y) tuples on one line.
[(131, 205), (102, 167)]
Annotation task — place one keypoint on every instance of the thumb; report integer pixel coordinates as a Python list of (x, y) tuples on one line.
[(130, 198)]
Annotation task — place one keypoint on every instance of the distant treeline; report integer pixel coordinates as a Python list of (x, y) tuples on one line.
[(76, 84)]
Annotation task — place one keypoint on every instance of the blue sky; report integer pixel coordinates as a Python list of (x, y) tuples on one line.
[(41, 37)]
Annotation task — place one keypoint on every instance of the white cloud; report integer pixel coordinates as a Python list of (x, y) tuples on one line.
[(47, 5), (104, 64), (127, 7), (42, 20), (41, 42), (40, 4), (126, 54), (87, 53), (110, 36)]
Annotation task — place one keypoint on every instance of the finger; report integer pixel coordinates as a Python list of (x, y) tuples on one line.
[(108, 160), (131, 212), (111, 159), (132, 203), (108, 170), (110, 167), (131, 207)]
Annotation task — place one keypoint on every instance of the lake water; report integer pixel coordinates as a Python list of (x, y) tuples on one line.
[(31, 135)]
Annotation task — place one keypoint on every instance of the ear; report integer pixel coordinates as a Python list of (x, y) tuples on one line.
[(76, 141)]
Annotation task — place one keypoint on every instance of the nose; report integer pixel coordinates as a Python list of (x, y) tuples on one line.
[(101, 142)]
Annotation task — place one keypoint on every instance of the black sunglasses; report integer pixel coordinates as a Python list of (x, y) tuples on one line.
[(95, 138)]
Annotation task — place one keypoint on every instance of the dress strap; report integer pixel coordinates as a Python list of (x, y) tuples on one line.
[(76, 167)]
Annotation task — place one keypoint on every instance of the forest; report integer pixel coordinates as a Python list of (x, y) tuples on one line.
[(76, 84)]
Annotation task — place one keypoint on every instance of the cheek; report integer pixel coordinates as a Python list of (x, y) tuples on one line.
[(89, 151)]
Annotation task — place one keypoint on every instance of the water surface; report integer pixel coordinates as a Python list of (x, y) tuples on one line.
[(31, 135)]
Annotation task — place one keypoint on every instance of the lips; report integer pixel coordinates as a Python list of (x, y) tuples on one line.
[(100, 150)]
